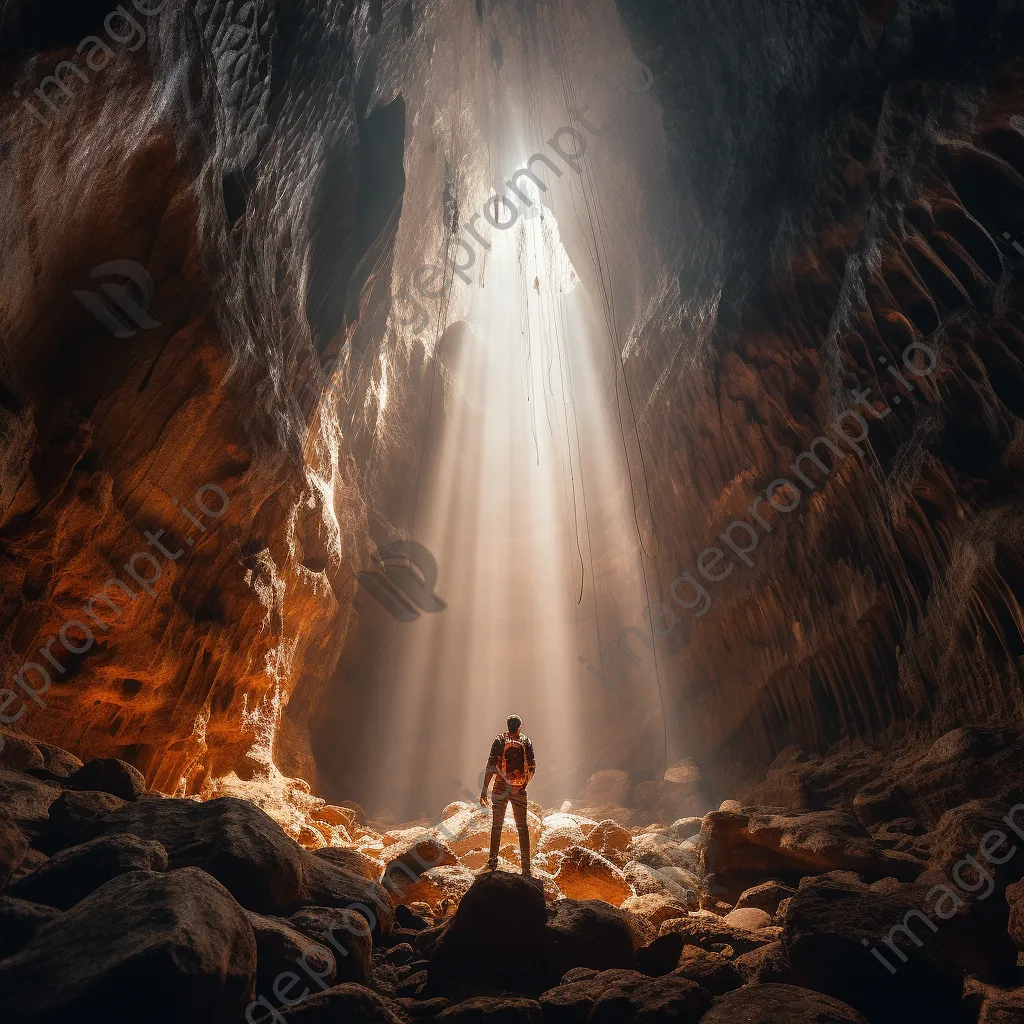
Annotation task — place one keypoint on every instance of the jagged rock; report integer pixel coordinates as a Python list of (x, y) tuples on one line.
[(822, 937), (19, 922), (657, 851), (626, 996), (750, 919), (70, 875), (493, 1010), (346, 932), (586, 875), (231, 839), (586, 934), (109, 775), (351, 1003), (711, 971), (70, 812), (767, 896), (780, 1004), (764, 965), (350, 860), (179, 937), (413, 917), (607, 787), (741, 848), (13, 845), (28, 800), (278, 948)]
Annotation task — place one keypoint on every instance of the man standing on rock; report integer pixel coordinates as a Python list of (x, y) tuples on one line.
[(513, 764)]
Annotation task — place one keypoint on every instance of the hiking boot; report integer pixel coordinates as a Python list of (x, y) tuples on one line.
[(490, 867)]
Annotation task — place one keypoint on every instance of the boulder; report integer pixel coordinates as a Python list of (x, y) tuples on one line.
[(231, 839), (657, 851), (611, 840), (1015, 922), (713, 933), (109, 775), (660, 956), (493, 1010), (625, 997), (346, 932), (279, 946), (560, 831), (586, 934), (685, 828), (350, 860), (18, 752), (27, 800), (872, 949), (470, 829), (675, 884), (607, 787), (654, 908), (586, 875), (326, 885), (781, 1004), (711, 971), (13, 845), (439, 888), (978, 830), (748, 918), (993, 1004), (332, 814), (70, 875), (407, 859), (741, 848), (767, 896), (58, 762), (19, 922), (348, 1003), (465, 949), (70, 812), (764, 965), (33, 859), (153, 946)]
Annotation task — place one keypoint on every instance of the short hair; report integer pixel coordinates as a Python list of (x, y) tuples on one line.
[(513, 722)]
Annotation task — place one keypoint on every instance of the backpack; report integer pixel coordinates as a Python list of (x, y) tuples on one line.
[(513, 765)]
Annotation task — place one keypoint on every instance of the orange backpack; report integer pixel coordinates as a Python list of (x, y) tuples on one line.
[(513, 766)]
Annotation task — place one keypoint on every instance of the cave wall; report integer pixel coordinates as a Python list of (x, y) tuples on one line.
[(848, 201), (204, 148)]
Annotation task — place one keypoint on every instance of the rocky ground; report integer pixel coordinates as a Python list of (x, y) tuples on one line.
[(848, 889)]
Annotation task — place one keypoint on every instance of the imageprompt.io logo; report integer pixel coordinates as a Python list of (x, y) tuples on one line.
[(404, 584), (132, 306)]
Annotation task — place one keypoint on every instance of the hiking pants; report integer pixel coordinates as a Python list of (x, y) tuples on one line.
[(499, 802)]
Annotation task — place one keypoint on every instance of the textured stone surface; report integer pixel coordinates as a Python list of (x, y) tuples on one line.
[(167, 947)]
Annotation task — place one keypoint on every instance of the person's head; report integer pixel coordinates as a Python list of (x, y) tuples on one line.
[(514, 723)]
